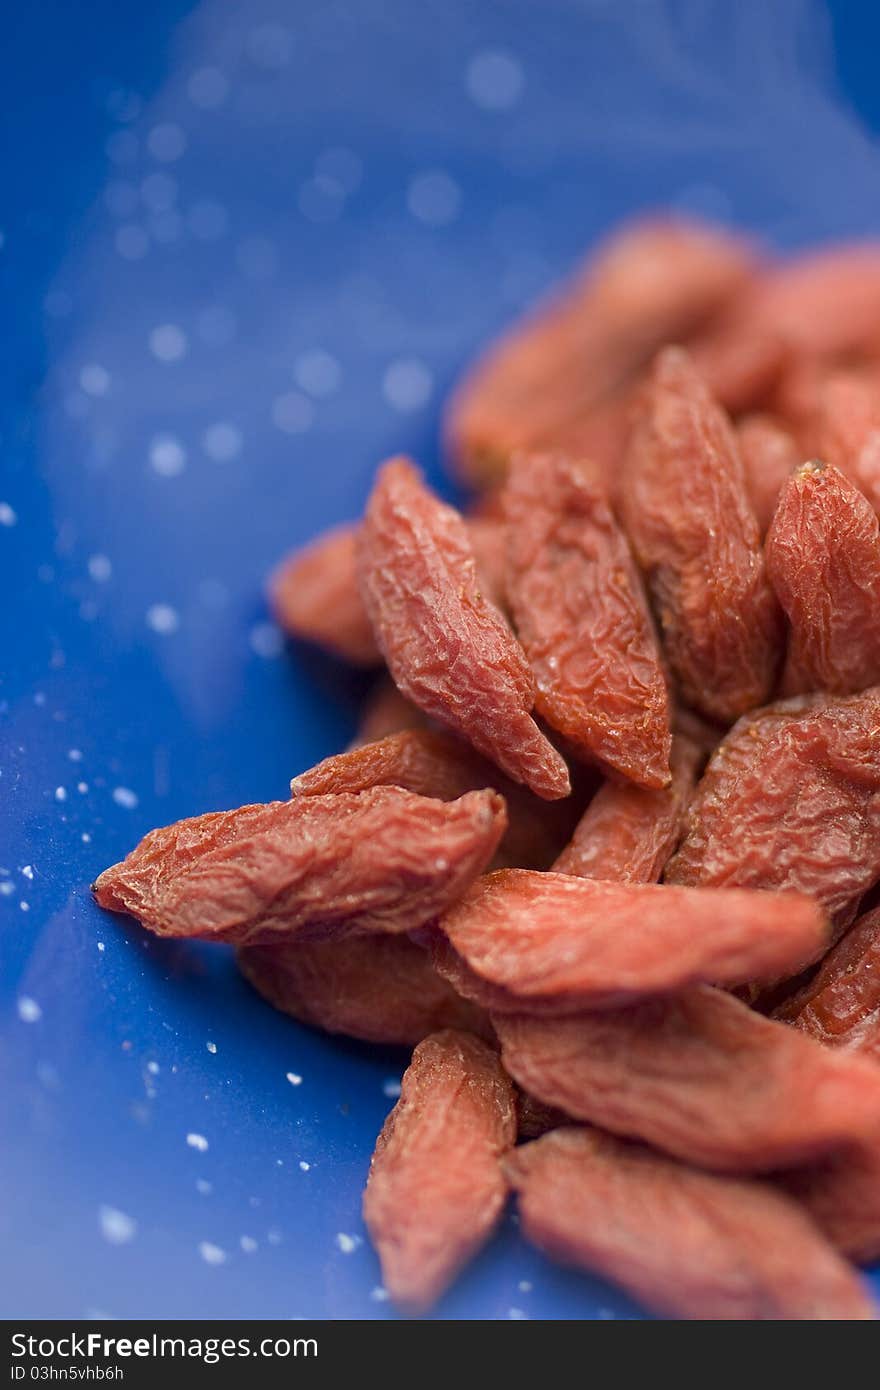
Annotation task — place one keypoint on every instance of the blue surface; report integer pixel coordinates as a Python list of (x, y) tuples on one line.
[(319, 305)]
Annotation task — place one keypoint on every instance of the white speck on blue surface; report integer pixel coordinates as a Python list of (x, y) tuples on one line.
[(517, 1315), (29, 1010), (391, 1088), (524, 1286), (207, 88), (116, 1227), (125, 797), (167, 456), (28, 872), (94, 379), (100, 568), (102, 947), (222, 441), (204, 1187), (248, 1244), (494, 80), (211, 1046), (168, 342), (8, 516), (82, 788), (407, 384), (274, 1236), (212, 1254), (162, 619), (197, 1141), (267, 640), (294, 1078), (434, 198), (378, 1294), (317, 372), (60, 793), (348, 1244), (25, 907), (304, 1167)]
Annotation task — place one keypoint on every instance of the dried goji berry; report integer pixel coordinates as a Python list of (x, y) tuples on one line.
[(791, 799), (580, 613), (841, 1004), (315, 867), (627, 833), (577, 943), (848, 429), (652, 282), (694, 532), (448, 649), (769, 453), (315, 596), (687, 1244), (740, 365), (434, 763), (386, 711), (701, 1076), (436, 1189), (534, 1118), (823, 559), (842, 1195), (825, 303), (379, 988)]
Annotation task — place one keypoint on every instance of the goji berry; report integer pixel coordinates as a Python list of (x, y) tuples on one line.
[(701, 1076), (791, 799), (580, 613), (769, 454), (448, 649), (379, 988), (841, 1004), (575, 943), (823, 559), (627, 833), (315, 867), (315, 595), (436, 1189), (694, 533), (687, 1244)]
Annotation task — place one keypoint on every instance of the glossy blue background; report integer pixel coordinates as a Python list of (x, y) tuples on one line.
[(323, 304)]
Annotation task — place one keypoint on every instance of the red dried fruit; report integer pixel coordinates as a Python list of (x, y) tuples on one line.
[(654, 281), (315, 868), (386, 712), (841, 1004), (434, 763), (842, 1195), (823, 559), (689, 518), (791, 799), (574, 943), (436, 1189), (315, 596), (825, 303), (534, 1118), (739, 364), (701, 1076), (448, 649), (848, 429), (769, 453), (687, 1244), (627, 833), (489, 541), (378, 988), (577, 603)]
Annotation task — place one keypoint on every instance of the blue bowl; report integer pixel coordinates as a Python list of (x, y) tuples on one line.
[(243, 271)]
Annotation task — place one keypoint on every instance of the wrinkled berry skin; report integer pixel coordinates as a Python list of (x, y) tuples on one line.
[(791, 799), (378, 988), (447, 648), (686, 510), (563, 944), (436, 1189), (701, 1076), (685, 1243), (769, 453), (628, 833), (579, 610), (841, 1004), (823, 559), (314, 593), (314, 868), (556, 374)]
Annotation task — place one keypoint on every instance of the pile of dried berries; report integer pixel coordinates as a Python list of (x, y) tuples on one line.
[(607, 848)]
